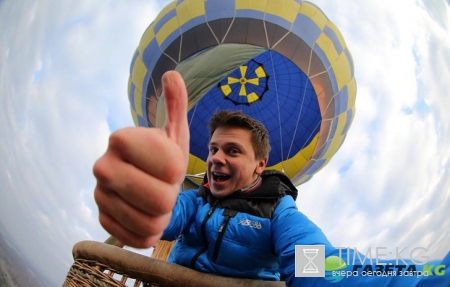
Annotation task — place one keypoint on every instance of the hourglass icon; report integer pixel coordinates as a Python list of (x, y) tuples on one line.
[(310, 267)]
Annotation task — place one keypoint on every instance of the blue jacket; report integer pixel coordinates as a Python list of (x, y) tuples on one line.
[(239, 236), (253, 236)]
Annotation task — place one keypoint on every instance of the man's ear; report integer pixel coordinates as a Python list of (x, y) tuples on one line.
[(261, 166)]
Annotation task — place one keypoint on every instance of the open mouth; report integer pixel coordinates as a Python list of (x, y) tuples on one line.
[(219, 177)]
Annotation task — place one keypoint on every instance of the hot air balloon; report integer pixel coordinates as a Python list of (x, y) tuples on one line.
[(281, 62)]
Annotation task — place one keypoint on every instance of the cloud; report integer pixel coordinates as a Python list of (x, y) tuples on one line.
[(439, 11)]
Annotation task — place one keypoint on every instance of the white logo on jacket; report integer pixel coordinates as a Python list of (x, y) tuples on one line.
[(248, 222)]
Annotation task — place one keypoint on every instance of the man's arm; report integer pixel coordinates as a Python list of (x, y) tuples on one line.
[(290, 227), (183, 214), (139, 176)]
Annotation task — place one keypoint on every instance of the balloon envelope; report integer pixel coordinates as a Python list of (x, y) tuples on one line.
[(280, 61)]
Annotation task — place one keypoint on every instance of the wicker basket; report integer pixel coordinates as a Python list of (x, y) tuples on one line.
[(102, 264)]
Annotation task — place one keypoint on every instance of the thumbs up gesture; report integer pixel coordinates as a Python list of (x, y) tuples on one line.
[(139, 176)]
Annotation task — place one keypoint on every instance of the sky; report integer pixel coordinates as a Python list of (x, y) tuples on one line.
[(64, 68)]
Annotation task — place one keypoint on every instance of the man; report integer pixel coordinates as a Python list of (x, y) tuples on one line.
[(242, 222), (239, 213)]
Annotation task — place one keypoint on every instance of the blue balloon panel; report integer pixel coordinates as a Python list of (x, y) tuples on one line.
[(271, 89)]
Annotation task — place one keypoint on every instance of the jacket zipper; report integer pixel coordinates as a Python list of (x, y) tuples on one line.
[(222, 230), (227, 213), (208, 215)]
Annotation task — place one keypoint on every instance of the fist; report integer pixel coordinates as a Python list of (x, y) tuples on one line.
[(139, 176)]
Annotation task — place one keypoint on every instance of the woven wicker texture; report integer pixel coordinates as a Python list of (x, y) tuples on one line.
[(100, 264)]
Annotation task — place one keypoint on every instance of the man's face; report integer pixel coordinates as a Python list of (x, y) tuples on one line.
[(231, 163)]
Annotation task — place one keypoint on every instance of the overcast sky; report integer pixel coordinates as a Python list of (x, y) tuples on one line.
[(64, 68)]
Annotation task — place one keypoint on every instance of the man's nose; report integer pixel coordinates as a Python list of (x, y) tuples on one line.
[(218, 157)]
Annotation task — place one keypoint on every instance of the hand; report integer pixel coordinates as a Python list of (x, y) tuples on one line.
[(139, 176)]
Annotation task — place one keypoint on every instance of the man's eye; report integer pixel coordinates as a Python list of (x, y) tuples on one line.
[(212, 150), (234, 151)]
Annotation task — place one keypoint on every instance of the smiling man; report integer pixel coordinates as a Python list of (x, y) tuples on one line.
[(238, 153), (235, 214)]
